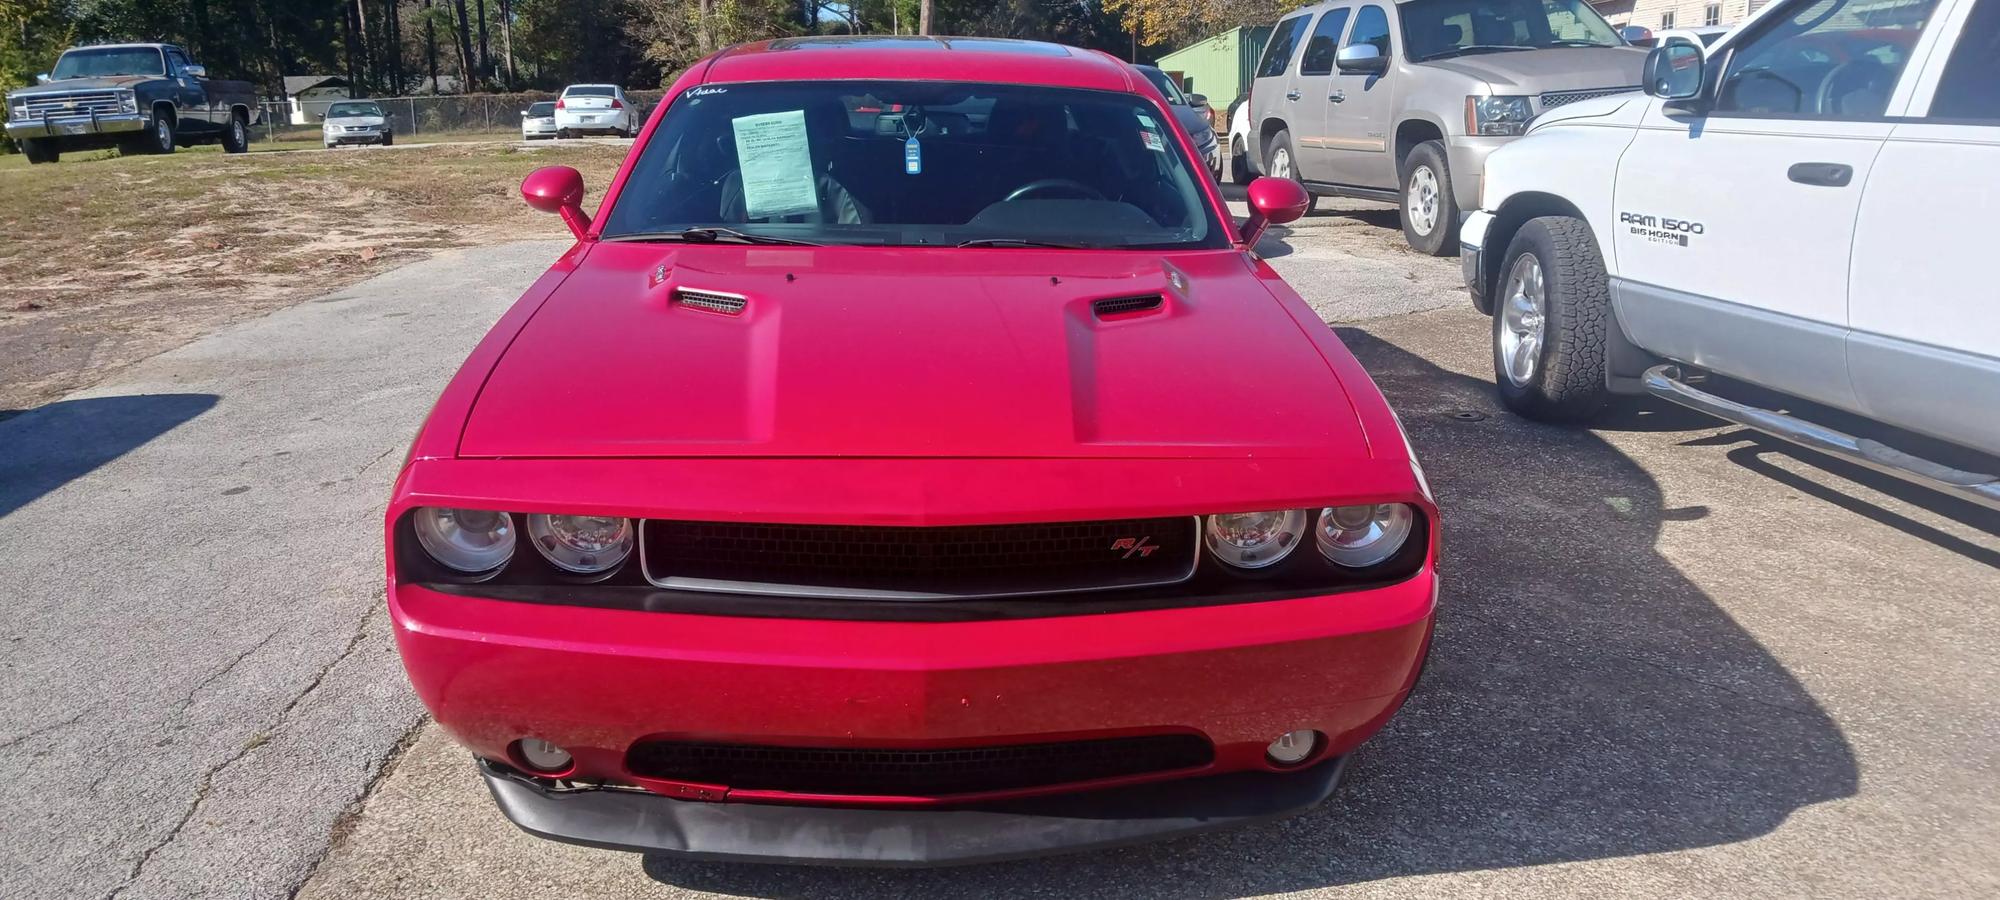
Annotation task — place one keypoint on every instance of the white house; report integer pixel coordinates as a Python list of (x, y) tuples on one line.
[(310, 95)]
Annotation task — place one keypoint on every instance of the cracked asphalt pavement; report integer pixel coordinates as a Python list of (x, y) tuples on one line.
[(1673, 658)]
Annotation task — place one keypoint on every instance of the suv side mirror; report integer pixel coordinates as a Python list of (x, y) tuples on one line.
[(558, 189), (1674, 72), (1361, 59), (1273, 201)]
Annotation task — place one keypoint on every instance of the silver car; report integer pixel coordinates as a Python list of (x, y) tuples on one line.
[(539, 121), (1403, 101), (356, 122)]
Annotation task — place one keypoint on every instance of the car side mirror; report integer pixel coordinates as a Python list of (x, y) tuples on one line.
[(1674, 72), (194, 71), (1197, 100), (42, 78), (1273, 201), (1361, 59), (558, 189)]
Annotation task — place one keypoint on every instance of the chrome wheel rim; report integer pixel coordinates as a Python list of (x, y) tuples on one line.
[(1422, 203), (1281, 163), (1522, 322), (163, 133)]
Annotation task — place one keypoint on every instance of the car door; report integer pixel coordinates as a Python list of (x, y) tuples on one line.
[(1734, 217), (1274, 104), (1924, 351), (190, 98), (1315, 103), (1358, 129)]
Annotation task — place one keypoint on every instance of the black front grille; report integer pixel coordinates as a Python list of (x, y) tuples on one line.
[(1553, 99), (1112, 306), (918, 563), (915, 773)]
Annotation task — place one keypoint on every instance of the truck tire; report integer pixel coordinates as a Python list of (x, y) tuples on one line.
[(159, 134), (236, 138), (41, 150), (1551, 319), (1430, 212)]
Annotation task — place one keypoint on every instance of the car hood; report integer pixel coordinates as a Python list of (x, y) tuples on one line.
[(873, 352), (1555, 69), (345, 121), (69, 85)]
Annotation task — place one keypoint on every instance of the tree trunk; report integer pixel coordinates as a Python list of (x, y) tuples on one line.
[(507, 37), (347, 43), (485, 58), (704, 35), (431, 47), (924, 17), (393, 18), (464, 47)]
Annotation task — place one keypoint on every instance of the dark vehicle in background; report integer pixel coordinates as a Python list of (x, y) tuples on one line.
[(1192, 111), (143, 98)]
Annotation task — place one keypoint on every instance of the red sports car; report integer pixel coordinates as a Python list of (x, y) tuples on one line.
[(911, 463)]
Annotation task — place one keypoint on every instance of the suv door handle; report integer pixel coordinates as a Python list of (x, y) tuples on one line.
[(1337, 97), (1292, 95), (1821, 174)]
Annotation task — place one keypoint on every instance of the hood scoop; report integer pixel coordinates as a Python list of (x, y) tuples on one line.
[(1112, 307), (710, 301)]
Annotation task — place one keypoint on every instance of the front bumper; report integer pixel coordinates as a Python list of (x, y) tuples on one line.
[(743, 832), (1467, 158), (76, 126), (357, 137)]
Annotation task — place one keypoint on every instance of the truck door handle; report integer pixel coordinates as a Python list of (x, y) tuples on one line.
[(1821, 174), (1292, 95), (1337, 97)]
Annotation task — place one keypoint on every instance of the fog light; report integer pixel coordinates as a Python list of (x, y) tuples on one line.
[(1292, 747), (544, 757)]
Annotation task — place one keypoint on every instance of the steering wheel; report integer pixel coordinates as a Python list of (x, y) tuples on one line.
[(1840, 84), (1052, 184)]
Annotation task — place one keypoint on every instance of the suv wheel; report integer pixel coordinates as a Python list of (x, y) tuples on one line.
[(1430, 212), (1550, 319), (1283, 160)]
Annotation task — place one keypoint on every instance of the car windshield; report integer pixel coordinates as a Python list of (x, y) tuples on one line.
[(1166, 85), (590, 90), (915, 163), (542, 110), (1435, 29), (348, 110), (99, 62)]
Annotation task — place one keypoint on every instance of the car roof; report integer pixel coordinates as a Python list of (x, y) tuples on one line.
[(592, 84), (125, 47), (919, 58)]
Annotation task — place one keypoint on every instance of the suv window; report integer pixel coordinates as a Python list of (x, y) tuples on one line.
[(1325, 43), (1967, 88), (1826, 59), (1371, 26), (1284, 40)]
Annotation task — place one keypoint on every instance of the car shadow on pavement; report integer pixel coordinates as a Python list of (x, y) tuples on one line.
[(44, 448), (1585, 699)]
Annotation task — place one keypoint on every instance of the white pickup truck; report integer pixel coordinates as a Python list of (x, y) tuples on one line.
[(1806, 207)]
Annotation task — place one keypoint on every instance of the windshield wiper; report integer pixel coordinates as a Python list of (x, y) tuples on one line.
[(710, 235), (1024, 242), (1473, 48)]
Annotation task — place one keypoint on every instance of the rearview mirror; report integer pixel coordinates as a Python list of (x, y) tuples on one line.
[(1674, 72), (1273, 201), (1361, 59), (558, 189)]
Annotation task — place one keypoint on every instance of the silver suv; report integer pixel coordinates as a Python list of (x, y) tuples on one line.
[(1403, 101)]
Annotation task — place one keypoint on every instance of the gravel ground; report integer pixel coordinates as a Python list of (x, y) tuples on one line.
[(1672, 659)]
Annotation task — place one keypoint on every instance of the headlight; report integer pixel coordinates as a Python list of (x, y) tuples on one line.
[(1362, 536), (128, 101), (1254, 540), (585, 545), (473, 541), (1498, 116)]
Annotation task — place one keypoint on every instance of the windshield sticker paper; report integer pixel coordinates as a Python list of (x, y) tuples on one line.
[(1153, 142), (913, 157), (777, 167)]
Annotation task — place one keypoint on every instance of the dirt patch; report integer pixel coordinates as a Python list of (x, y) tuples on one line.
[(109, 260)]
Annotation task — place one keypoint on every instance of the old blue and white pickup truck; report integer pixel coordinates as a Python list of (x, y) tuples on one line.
[(144, 98)]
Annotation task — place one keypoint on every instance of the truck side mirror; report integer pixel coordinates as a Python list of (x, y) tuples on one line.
[(1674, 72), (1273, 201), (558, 189), (195, 71), (42, 78), (1360, 59)]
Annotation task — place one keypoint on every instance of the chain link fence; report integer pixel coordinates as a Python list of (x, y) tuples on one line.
[(413, 117)]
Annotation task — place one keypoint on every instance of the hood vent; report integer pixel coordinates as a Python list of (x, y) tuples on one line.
[(711, 301), (1114, 306)]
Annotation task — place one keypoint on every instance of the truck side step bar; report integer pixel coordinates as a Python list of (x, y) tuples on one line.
[(1664, 382)]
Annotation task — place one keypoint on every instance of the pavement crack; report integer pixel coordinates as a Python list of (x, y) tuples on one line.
[(45, 729), (225, 669), (382, 456), (207, 781)]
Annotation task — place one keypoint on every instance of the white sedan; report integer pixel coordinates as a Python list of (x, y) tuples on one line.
[(538, 120), (595, 109)]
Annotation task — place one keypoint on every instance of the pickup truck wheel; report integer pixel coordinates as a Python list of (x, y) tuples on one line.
[(1550, 321), (160, 134), (237, 138), (1430, 212), (41, 150)]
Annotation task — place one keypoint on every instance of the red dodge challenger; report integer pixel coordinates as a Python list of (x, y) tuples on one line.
[(911, 463)]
